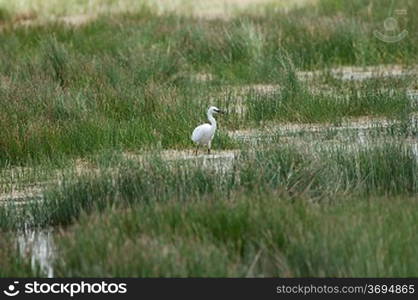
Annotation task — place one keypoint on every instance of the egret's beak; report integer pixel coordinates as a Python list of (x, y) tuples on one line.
[(221, 112)]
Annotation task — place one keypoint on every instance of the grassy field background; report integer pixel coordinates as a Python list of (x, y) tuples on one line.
[(314, 171)]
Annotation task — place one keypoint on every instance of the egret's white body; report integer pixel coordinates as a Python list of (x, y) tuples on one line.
[(203, 134)]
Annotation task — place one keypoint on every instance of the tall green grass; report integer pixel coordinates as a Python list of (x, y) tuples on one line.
[(245, 235), (280, 211), (295, 102), (320, 175), (341, 32), (11, 263), (127, 81)]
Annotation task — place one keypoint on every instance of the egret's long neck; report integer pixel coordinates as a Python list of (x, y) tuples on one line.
[(212, 120)]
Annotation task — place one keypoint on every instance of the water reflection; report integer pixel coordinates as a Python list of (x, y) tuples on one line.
[(39, 245)]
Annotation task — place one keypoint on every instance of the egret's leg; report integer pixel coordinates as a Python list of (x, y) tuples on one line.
[(209, 146), (197, 148)]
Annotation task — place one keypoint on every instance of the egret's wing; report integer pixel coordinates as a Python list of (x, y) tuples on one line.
[(199, 132)]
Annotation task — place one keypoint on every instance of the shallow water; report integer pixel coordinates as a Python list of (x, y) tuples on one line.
[(362, 73)]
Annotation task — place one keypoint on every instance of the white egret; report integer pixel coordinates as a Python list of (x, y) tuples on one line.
[(203, 134)]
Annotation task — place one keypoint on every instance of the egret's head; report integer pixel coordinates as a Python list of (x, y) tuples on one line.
[(214, 110)]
